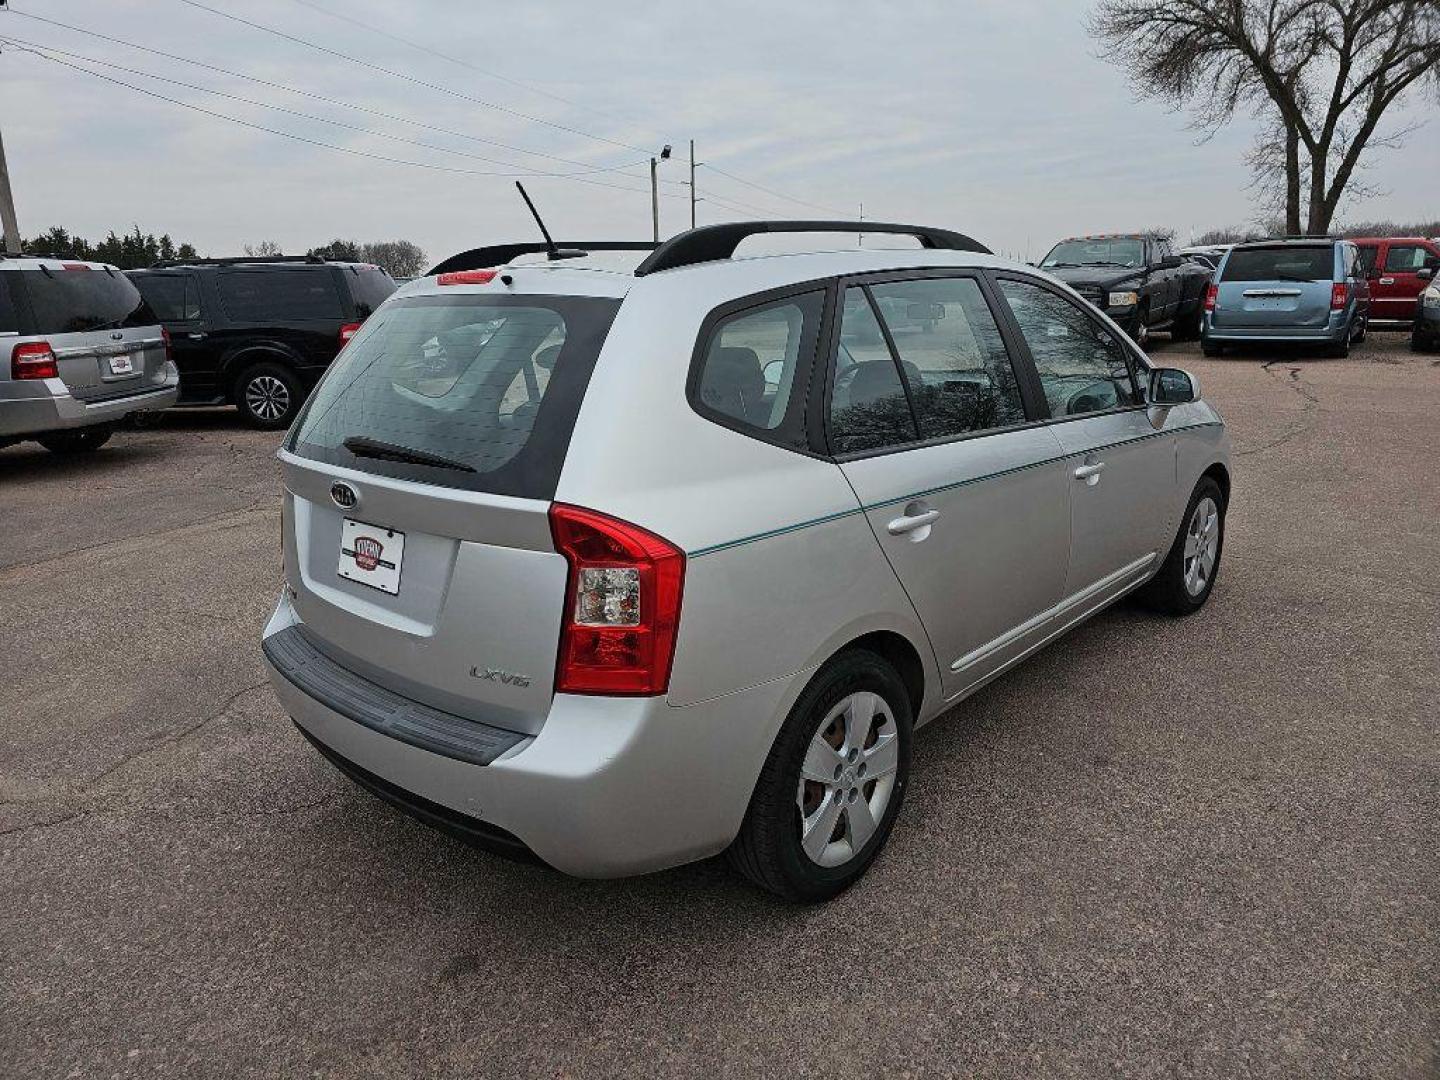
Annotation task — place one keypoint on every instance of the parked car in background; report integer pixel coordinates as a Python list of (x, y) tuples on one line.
[(81, 352), (1136, 278), (258, 333), (1426, 333), (1302, 290), (633, 564), (1400, 268), (1207, 255)]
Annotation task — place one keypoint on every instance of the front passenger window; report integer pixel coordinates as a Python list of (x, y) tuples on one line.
[(1082, 365)]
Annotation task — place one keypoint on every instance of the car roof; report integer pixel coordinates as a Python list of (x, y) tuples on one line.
[(612, 273), (50, 262)]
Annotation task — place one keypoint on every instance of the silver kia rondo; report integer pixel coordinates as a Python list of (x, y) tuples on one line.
[(623, 562)]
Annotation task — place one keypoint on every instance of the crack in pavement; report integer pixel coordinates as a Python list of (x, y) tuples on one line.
[(1307, 412)]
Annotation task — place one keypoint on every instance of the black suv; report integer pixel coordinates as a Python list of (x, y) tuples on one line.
[(258, 333)]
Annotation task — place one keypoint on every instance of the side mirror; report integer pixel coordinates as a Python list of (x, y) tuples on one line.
[(772, 371), (1425, 273), (1171, 262), (924, 312), (1171, 386)]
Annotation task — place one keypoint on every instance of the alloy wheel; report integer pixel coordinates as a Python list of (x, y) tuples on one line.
[(1202, 546), (267, 397), (847, 778)]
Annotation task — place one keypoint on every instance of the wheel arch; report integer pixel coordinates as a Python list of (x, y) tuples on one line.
[(247, 356), (900, 653), (1221, 475)]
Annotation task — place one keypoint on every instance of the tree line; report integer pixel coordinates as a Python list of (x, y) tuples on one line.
[(399, 258)]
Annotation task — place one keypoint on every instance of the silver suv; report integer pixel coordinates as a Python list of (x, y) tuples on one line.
[(79, 351), (630, 565)]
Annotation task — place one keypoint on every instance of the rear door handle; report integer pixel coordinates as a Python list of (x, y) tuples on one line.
[(196, 336), (910, 522), (1090, 473), (1387, 281)]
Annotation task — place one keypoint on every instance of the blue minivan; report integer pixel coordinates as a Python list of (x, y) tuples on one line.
[(1305, 290)]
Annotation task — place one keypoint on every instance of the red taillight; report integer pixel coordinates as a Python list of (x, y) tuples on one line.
[(1339, 296), (467, 277), (622, 605), (169, 348), (74, 266), (349, 330), (1211, 292), (33, 360)]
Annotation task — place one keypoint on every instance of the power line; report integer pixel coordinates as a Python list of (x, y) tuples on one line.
[(454, 59), (412, 79), (762, 187), (308, 93), (45, 50), (309, 141)]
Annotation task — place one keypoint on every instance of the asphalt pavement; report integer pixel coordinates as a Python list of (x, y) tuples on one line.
[(1197, 848)]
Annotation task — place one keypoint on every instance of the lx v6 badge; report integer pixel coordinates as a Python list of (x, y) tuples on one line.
[(509, 678)]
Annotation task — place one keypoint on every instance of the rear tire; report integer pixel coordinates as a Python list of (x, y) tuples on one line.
[(1141, 334), (1341, 349), (82, 441), (1212, 350), (830, 761), (1187, 576), (268, 396), (1364, 329), (1188, 327)]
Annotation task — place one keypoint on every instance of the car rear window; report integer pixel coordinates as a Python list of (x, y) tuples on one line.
[(1280, 264), (465, 391), (77, 301), (9, 318), (280, 295), (371, 287)]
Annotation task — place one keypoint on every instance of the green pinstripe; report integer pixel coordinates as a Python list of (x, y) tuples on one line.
[(934, 491)]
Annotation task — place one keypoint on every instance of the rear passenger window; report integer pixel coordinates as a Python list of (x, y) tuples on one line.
[(173, 297), (9, 317), (868, 406), (1082, 366), (958, 370), (279, 295), (748, 375)]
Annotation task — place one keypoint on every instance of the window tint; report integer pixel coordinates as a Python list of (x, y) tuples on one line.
[(76, 301), (959, 374), (490, 384), (1368, 255), (1115, 251), (279, 295), (173, 297), (9, 317), (1406, 258), (1280, 264), (748, 374), (868, 406), (1081, 364), (371, 287)]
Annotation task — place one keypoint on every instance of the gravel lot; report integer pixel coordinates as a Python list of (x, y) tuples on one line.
[(1199, 848)]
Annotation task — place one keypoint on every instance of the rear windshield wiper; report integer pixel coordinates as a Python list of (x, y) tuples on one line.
[(361, 446)]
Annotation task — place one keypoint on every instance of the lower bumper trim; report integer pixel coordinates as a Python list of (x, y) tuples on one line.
[(471, 830)]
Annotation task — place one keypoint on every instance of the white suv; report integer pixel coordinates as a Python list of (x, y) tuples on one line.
[(630, 565)]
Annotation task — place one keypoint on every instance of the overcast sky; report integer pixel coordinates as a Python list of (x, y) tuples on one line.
[(992, 117)]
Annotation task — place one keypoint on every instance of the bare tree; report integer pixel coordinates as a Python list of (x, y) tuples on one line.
[(1327, 71), (400, 258), (265, 249)]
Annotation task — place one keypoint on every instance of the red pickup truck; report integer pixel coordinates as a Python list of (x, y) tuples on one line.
[(1399, 269)]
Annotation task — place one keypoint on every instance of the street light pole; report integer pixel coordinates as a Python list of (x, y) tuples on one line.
[(7, 208), (655, 190)]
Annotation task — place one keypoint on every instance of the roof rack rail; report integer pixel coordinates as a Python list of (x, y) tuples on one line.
[(1309, 236), (499, 254), (237, 259), (711, 242)]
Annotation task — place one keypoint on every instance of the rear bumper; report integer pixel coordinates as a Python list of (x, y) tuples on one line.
[(609, 787), (43, 405), (1333, 332)]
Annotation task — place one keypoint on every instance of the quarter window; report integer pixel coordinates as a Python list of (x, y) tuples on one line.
[(749, 372), (173, 296), (1083, 368), (868, 406), (955, 362)]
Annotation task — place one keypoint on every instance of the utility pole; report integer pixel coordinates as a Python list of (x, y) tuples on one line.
[(7, 208), (655, 190), (692, 183), (862, 221)]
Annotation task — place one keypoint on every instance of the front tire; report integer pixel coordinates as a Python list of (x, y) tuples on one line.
[(1187, 576), (833, 784), (81, 441), (268, 396)]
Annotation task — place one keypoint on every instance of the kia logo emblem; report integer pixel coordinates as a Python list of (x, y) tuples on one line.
[(343, 495), (367, 552)]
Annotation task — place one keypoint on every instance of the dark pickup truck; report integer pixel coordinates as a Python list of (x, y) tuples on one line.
[(1136, 279)]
